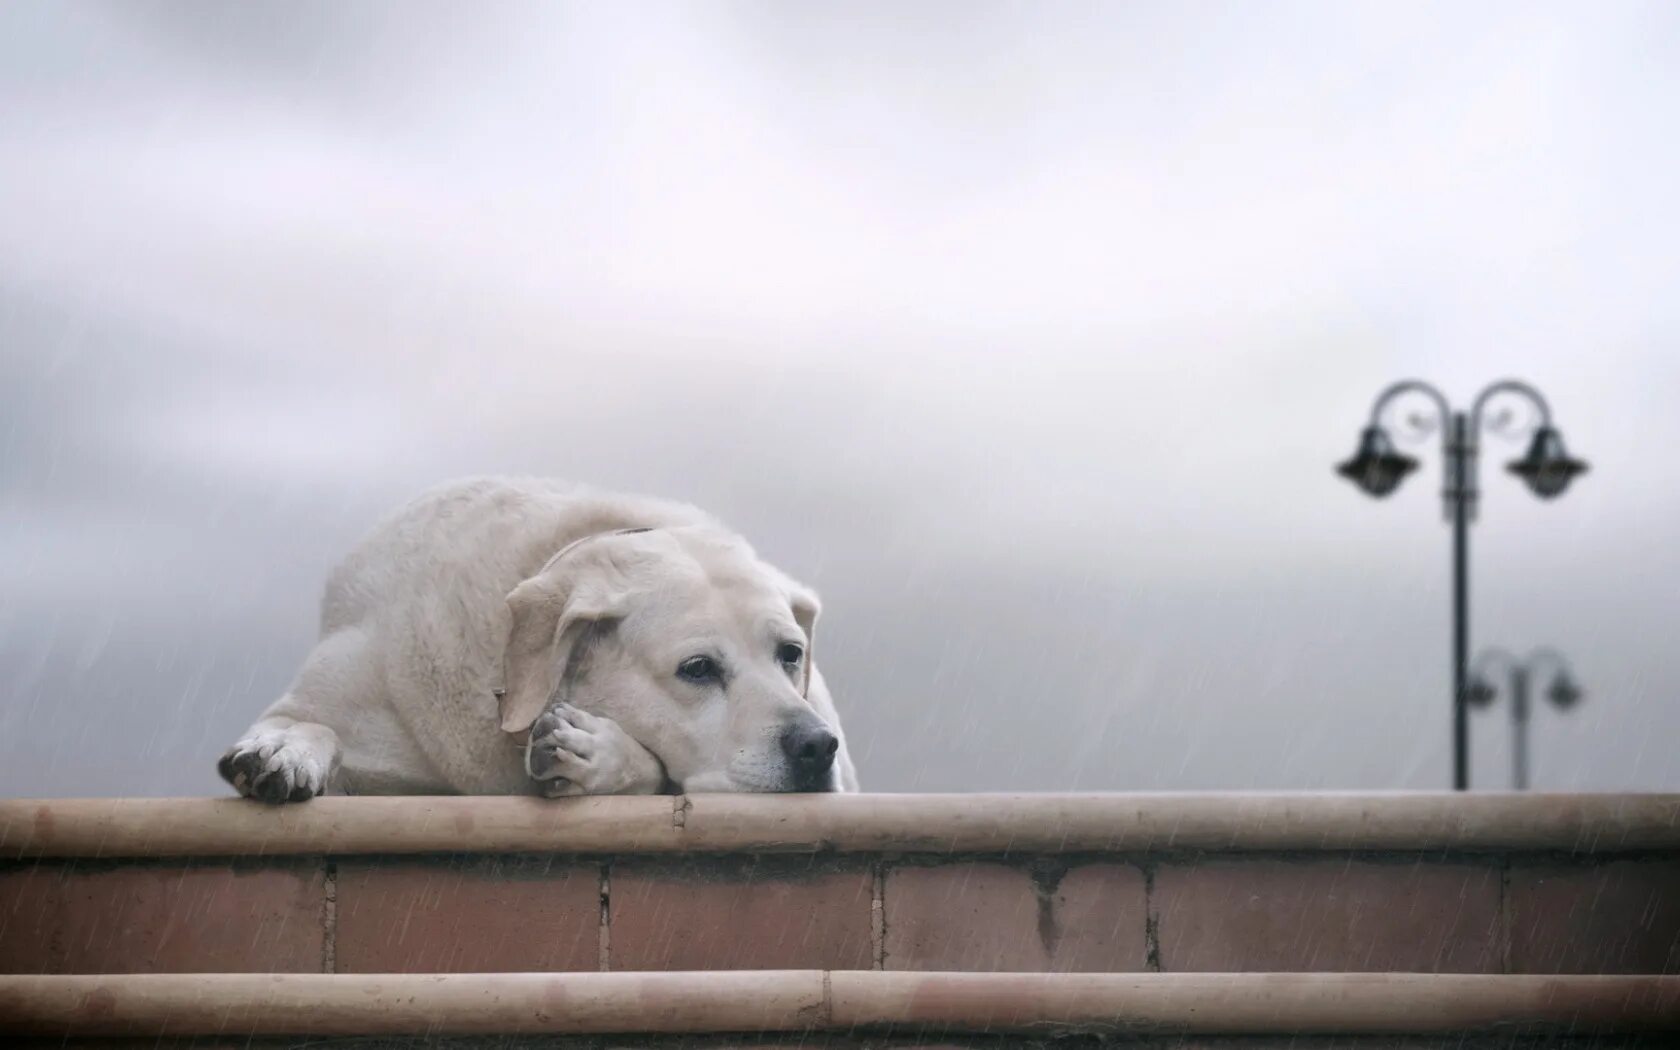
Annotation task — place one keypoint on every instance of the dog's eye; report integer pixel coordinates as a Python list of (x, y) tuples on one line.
[(789, 653), (699, 669)]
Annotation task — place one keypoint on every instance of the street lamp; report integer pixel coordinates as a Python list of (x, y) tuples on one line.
[(1563, 692), (1378, 469)]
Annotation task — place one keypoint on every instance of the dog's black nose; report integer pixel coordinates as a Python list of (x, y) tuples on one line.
[(810, 748)]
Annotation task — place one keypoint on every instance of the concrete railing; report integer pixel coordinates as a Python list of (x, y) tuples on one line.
[(978, 823), (158, 1005), (990, 913)]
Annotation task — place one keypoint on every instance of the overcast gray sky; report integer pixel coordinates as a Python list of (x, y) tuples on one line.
[(1027, 333)]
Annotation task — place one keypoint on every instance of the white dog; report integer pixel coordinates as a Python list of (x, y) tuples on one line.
[(521, 637)]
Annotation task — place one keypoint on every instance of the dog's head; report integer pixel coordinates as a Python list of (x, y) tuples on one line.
[(683, 636)]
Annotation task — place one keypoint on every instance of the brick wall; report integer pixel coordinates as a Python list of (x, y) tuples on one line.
[(1473, 912), (1181, 886)]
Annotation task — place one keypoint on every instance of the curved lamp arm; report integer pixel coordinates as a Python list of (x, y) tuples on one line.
[(1548, 659), (1411, 386), (1482, 685), (1508, 386), (1469, 485), (1454, 477), (1492, 661)]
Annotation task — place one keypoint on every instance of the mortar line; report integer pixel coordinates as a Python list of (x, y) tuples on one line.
[(1151, 922), (604, 941), (878, 915), (329, 919)]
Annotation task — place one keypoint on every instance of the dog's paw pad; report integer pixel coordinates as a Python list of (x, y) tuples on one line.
[(272, 771)]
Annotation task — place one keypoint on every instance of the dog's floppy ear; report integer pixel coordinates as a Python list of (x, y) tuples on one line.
[(806, 609), (549, 613)]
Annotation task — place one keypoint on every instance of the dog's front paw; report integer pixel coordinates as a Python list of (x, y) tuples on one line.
[(277, 765), (576, 753)]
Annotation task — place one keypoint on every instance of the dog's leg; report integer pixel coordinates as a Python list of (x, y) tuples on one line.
[(576, 753), (292, 752), (282, 760)]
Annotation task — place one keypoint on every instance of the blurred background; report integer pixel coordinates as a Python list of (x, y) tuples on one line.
[(1027, 333)]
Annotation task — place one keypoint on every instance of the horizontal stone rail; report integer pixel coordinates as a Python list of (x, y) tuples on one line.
[(980, 823), (243, 1005)]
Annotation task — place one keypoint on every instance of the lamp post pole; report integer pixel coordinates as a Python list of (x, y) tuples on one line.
[(1459, 496), (1378, 468), (1519, 728)]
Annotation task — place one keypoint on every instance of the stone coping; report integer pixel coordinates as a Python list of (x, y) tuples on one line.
[(931, 823), (246, 1005)]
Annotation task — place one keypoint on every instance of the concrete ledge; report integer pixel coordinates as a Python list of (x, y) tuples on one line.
[(1040, 824), (158, 1005)]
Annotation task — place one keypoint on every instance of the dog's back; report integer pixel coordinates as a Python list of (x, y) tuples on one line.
[(477, 537)]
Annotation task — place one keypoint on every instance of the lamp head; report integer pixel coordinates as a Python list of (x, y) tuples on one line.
[(1479, 692), (1547, 468), (1564, 693), (1376, 466)]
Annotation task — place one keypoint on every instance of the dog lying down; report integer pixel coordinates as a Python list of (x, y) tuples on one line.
[(505, 636)]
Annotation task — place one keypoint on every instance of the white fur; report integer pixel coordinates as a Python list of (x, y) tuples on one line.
[(400, 696)]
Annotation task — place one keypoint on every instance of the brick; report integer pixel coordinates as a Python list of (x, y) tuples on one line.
[(1619, 916), (468, 915), (967, 916), (997, 917), (720, 914), (1101, 917), (215, 917), (1328, 915)]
